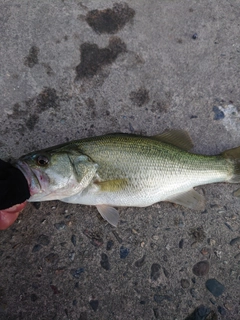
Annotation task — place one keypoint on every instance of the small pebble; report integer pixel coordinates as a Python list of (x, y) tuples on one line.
[(236, 193), (34, 297), (218, 253), (83, 316), (94, 304), (60, 226), (218, 114), (215, 287), (228, 306), (200, 313), (212, 301), (110, 244), (117, 236), (194, 36), (155, 271), (185, 283), (54, 289), (205, 251), (234, 241), (156, 313), (212, 242), (166, 273), (194, 293), (36, 248), (76, 273), (71, 256), (181, 242), (142, 244), (104, 262), (228, 226), (43, 240), (74, 240), (160, 298), (74, 303), (237, 256), (222, 310), (139, 263), (52, 258), (124, 252), (36, 205), (201, 268), (155, 237)]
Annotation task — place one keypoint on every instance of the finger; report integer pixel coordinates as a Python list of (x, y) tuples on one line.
[(8, 216)]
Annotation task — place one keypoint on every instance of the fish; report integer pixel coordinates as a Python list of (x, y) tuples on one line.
[(126, 170)]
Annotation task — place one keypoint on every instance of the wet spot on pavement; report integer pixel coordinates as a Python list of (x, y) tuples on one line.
[(32, 121), (32, 57), (45, 100), (110, 20), (139, 97), (93, 58)]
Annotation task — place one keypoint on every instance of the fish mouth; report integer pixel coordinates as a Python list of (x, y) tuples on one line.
[(32, 176)]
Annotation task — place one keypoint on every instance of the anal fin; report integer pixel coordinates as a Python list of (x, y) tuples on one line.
[(190, 199), (109, 213)]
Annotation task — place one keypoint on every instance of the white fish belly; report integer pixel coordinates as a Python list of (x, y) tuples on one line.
[(156, 188)]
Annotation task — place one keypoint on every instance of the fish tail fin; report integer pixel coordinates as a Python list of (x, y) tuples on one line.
[(233, 156)]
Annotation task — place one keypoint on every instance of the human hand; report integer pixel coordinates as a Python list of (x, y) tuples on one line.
[(8, 216)]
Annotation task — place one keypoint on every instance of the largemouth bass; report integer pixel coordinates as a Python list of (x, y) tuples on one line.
[(126, 170)]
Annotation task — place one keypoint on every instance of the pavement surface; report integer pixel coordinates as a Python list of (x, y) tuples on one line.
[(74, 69)]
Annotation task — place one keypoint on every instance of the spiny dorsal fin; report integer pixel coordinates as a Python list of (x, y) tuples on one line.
[(178, 138), (190, 199)]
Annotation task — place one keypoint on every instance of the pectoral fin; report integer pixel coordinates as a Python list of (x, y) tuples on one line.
[(112, 185), (190, 199), (109, 213)]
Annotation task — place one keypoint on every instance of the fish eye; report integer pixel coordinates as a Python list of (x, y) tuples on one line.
[(42, 160)]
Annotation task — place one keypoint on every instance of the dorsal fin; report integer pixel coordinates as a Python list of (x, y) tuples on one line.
[(178, 138)]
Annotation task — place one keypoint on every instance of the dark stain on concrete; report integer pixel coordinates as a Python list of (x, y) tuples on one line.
[(110, 20), (32, 121), (32, 59), (48, 69), (93, 58), (46, 99), (139, 97), (17, 112), (160, 106)]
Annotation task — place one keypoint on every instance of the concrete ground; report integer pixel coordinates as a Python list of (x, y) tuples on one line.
[(73, 69)]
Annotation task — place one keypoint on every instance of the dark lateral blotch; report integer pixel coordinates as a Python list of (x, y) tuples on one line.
[(110, 20)]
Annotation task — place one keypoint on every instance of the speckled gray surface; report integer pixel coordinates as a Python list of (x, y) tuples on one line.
[(69, 72)]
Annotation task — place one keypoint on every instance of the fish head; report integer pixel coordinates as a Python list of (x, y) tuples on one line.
[(55, 175)]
